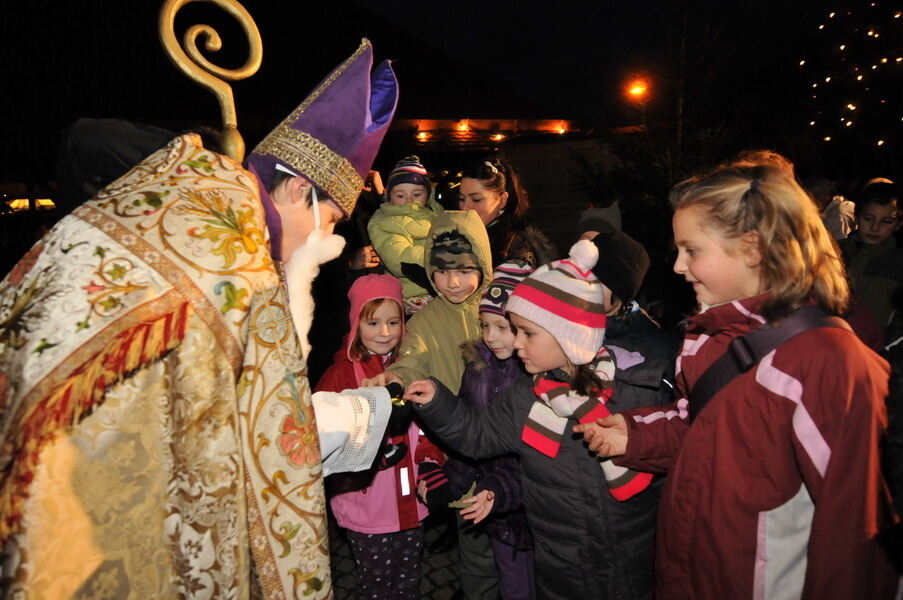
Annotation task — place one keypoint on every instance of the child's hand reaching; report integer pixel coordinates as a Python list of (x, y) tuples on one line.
[(421, 391), (606, 436), (382, 380), (480, 506)]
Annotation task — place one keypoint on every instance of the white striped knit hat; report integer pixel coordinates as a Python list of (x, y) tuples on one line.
[(565, 298)]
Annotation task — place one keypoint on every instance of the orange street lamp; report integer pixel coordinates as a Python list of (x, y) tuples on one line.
[(638, 90)]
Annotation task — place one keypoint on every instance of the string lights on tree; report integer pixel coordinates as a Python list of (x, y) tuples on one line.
[(853, 75)]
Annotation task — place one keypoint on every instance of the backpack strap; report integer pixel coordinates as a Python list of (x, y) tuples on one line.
[(746, 351)]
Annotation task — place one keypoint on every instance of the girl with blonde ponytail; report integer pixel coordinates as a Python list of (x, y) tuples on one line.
[(774, 487)]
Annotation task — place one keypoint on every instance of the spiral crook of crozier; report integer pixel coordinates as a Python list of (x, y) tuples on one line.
[(211, 76)]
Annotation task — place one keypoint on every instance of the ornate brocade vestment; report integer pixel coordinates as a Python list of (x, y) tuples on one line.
[(158, 435)]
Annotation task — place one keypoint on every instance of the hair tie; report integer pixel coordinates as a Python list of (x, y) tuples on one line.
[(754, 185)]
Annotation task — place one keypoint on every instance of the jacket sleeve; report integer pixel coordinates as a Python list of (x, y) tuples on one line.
[(477, 432), (332, 381), (655, 435), (394, 244), (503, 478), (837, 421), (427, 450), (351, 426)]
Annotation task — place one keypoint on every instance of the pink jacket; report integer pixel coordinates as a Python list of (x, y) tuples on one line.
[(389, 504)]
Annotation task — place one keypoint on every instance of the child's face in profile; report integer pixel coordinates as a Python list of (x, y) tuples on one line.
[(536, 347), (456, 285), (878, 222), (381, 332), (719, 269), (405, 193), (497, 335)]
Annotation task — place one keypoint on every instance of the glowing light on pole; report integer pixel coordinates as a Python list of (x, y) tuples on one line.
[(638, 90)]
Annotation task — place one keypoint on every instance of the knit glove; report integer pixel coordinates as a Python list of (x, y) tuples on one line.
[(390, 455), (439, 492), (400, 417)]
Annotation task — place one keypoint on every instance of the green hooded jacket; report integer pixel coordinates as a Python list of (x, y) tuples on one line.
[(399, 235), (431, 347)]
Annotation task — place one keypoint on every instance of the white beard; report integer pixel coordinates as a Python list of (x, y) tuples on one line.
[(300, 271)]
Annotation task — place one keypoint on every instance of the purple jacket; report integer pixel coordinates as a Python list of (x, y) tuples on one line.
[(485, 376)]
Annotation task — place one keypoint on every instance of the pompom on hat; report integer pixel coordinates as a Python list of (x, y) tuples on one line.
[(565, 298)]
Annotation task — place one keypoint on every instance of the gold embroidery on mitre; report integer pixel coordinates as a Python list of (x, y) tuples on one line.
[(312, 158)]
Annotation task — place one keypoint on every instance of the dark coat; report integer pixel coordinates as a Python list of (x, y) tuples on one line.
[(636, 332), (485, 376), (512, 239), (586, 543)]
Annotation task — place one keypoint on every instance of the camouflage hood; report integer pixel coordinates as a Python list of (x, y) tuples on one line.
[(467, 224)]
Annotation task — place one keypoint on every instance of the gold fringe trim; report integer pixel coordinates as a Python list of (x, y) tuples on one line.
[(84, 389)]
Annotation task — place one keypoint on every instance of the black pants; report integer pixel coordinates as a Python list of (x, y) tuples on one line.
[(388, 564)]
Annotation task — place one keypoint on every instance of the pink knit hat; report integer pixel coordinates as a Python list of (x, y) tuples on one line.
[(363, 290), (565, 298)]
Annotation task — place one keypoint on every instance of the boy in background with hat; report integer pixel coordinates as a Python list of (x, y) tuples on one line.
[(622, 267)]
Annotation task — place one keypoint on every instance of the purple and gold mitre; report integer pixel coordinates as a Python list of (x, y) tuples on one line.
[(332, 138)]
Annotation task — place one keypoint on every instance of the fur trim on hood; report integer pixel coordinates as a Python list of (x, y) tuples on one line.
[(471, 354), (522, 242)]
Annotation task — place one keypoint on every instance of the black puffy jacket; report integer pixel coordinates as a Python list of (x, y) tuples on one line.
[(586, 543)]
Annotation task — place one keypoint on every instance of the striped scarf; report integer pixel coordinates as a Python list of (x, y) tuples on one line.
[(557, 402)]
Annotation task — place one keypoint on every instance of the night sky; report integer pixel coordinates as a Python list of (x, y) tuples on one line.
[(525, 59)]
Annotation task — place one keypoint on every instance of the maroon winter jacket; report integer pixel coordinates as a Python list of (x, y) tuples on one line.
[(775, 490)]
